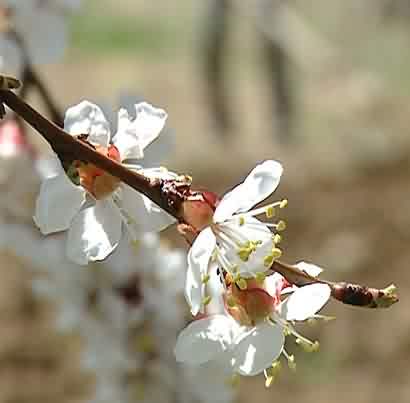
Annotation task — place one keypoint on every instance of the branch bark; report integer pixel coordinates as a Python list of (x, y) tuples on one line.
[(345, 292), (69, 148)]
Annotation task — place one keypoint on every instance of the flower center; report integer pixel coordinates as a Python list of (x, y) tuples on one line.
[(95, 180), (251, 304)]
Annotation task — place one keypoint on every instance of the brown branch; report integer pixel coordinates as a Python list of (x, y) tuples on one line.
[(347, 293), (169, 197), (69, 148), (31, 79)]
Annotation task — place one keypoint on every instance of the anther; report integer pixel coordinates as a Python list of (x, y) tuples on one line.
[(276, 239), (260, 277), (307, 345), (135, 243), (206, 300), (268, 260), (231, 301), (205, 278), (276, 253), (234, 380), (291, 362), (242, 284), (283, 203), (270, 211), (281, 225)]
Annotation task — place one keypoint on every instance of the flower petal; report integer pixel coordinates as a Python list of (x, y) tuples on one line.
[(257, 349), (259, 184), (134, 135), (305, 302), (145, 214), (216, 290), (204, 339), (88, 118), (274, 284), (57, 204), (149, 122), (199, 257), (252, 230), (94, 233), (309, 268)]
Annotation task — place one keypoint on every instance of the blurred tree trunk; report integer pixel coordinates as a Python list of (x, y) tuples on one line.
[(214, 47)]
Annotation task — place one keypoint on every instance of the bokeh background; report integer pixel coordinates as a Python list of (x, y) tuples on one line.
[(344, 143)]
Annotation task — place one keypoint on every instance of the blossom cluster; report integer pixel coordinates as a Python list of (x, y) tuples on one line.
[(127, 310), (242, 309), (125, 303)]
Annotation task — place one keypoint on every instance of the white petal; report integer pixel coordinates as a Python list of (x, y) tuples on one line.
[(305, 302), (125, 139), (309, 268), (257, 349), (149, 122), (204, 339), (274, 284), (147, 216), (134, 135), (48, 167), (199, 257), (216, 290), (58, 202), (260, 184), (257, 232), (94, 233), (88, 118)]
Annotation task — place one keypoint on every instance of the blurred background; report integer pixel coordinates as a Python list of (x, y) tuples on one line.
[(322, 86)]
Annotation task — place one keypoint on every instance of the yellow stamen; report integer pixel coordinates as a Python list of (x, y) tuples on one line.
[(281, 225), (268, 381), (135, 244), (268, 260), (242, 284), (231, 301), (276, 253), (205, 278), (241, 220), (270, 211), (206, 300), (234, 380), (260, 277), (291, 362), (308, 347), (244, 254), (276, 239), (283, 203)]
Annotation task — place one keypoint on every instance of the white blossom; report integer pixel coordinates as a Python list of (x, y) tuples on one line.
[(246, 328), (95, 210), (241, 244)]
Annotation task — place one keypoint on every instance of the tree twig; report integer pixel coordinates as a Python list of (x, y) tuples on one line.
[(70, 148), (31, 79), (345, 292)]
